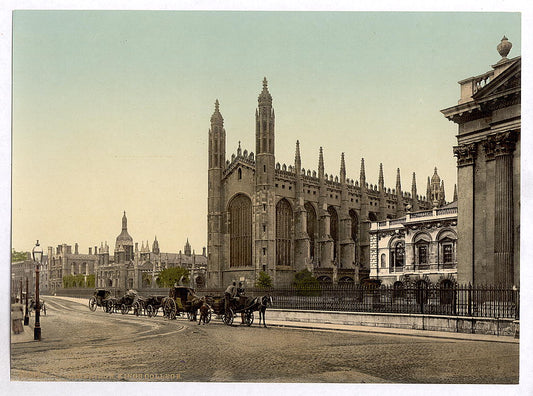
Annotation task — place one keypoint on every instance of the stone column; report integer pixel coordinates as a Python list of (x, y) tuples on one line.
[(466, 155), (503, 209)]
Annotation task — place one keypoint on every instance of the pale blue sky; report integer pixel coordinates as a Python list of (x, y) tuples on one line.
[(111, 109)]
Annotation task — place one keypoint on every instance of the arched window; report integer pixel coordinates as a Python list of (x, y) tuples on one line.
[(239, 172), (240, 230), (283, 232), (333, 229), (311, 228), (354, 231), (397, 255), (383, 260)]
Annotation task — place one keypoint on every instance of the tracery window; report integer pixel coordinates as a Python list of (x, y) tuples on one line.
[(283, 232), (333, 229), (311, 228), (240, 230)]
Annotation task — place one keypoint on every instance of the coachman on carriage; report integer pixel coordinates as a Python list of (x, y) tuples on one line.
[(181, 299)]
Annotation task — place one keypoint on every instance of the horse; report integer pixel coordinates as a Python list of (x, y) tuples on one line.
[(41, 303), (260, 304)]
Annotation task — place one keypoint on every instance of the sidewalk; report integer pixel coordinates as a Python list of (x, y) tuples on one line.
[(363, 329), (394, 331), (25, 336)]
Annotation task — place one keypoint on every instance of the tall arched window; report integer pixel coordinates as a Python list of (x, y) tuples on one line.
[(421, 251), (311, 228), (283, 232), (354, 231), (240, 230), (397, 255), (447, 249), (333, 229)]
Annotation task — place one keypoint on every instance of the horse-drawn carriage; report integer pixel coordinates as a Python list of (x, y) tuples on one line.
[(148, 305), (100, 298), (243, 305), (181, 299)]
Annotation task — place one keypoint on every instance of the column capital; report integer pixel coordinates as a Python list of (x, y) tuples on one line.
[(505, 143), (466, 154)]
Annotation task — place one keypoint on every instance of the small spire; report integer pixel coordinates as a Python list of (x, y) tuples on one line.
[(239, 149), (362, 176), (265, 98), (455, 192), (216, 118), (414, 195), (381, 180), (320, 160), (413, 185), (443, 194), (297, 158), (398, 182)]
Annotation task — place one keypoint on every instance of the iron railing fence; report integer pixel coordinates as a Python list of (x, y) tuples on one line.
[(460, 300)]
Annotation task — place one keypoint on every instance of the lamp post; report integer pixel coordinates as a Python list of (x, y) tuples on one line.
[(37, 253), (26, 317)]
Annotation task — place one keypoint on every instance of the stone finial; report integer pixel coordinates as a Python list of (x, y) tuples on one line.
[(504, 47), (381, 180)]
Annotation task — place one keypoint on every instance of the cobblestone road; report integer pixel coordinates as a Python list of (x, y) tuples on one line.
[(80, 345)]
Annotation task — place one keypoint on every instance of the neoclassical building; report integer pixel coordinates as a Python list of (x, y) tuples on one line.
[(420, 246), (264, 216), (488, 116)]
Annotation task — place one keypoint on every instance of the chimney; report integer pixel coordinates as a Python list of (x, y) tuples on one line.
[(76, 248), (90, 250), (203, 251)]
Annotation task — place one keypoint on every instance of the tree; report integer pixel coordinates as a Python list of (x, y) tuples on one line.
[(264, 281), (18, 256), (306, 284), (170, 276)]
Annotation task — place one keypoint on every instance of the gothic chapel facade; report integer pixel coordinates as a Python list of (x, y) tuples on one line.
[(263, 216)]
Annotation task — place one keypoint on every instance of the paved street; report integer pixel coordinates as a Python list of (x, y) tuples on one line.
[(81, 345)]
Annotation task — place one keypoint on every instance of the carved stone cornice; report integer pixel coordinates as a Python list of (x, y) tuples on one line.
[(466, 154), (505, 143)]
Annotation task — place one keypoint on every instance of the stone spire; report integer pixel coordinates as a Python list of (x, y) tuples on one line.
[(399, 196), (343, 169), (455, 192), (320, 163), (187, 249), (414, 194), (155, 246), (442, 194), (428, 191), (216, 118), (362, 176), (381, 180), (297, 158), (265, 99)]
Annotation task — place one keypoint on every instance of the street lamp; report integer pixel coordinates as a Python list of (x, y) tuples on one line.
[(37, 253)]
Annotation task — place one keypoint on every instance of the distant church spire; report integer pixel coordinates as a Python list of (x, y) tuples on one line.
[(414, 194)]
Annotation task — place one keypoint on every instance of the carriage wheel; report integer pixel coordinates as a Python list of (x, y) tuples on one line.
[(137, 308), (227, 317), (92, 304), (248, 318), (124, 309), (109, 306), (208, 319), (150, 310), (170, 308)]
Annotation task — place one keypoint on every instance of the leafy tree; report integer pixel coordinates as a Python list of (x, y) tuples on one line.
[(264, 281), (18, 256), (170, 276), (90, 281), (306, 284)]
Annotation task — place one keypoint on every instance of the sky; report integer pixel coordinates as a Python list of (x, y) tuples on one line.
[(111, 109)]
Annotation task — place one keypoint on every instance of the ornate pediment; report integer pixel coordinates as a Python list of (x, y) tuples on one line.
[(506, 86)]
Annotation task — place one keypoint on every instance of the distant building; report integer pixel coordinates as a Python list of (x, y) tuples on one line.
[(134, 268), (420, 246), (264, 216), (20, 270), (488, 116), (62, 261)]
